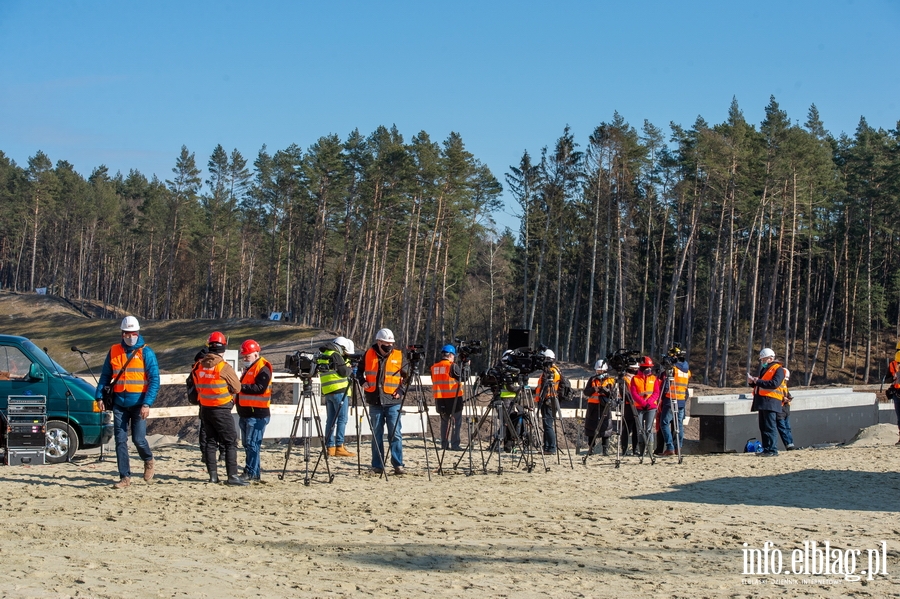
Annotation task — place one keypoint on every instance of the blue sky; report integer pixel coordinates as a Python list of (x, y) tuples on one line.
[(126, 84)]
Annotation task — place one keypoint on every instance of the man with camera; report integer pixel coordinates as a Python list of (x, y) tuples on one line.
[(334, 374), (384, 371), (448, 396), (216, 383), (677, 378), (598, 391), (547, 395), (130, 376)]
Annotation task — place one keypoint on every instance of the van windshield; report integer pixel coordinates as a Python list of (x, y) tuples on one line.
[(43, 358)]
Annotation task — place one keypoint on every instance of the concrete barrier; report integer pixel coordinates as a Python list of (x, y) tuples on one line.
[(818, 416)]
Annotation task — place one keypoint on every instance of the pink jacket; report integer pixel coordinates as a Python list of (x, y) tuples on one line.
[(645, 391)]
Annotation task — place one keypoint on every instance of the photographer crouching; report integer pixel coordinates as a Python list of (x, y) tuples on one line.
[(384, 370)]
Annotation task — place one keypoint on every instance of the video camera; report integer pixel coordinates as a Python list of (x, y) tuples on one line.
[(528, 360), (302, 364), (468, 348), (675, 354), (415, 353), (498, 376), (621, 359)]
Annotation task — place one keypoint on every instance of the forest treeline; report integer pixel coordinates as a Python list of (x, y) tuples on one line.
[(723, 238)]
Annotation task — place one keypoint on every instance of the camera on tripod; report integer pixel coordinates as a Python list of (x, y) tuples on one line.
[(302, 364), (415, 353), (498, 376), (675, 354), (468, 348), (621, 359)]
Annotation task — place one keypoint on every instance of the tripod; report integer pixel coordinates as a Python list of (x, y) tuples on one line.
[(422, 409), (306, 396), (499, 412), (676, 415), (612, 408)]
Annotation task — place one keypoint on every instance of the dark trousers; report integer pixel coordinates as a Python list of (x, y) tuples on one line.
[(630, 429), (548, 412), (768, 430), (220, 431), (591, 422)]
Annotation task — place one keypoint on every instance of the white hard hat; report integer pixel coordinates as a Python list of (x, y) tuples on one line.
[(787, 374), (385, 335), (548, 353), (601, 365), (130, 324), (345, 343), (767, 352)]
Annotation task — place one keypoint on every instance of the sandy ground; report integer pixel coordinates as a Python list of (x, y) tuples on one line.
[(664, 530)]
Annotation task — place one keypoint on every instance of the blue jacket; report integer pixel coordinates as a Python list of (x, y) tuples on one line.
[(151, 367)]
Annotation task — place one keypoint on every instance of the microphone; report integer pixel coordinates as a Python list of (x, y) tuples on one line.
[(80, 351)]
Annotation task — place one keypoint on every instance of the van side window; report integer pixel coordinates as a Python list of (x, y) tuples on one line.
[(14, 365)]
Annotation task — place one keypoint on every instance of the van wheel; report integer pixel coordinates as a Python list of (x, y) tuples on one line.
[(62, 442)]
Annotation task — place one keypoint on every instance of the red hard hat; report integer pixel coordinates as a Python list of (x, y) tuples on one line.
[(217, 337), (249, 346), (646, 362)]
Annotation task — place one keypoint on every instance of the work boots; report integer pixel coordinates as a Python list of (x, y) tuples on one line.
[(125, 481), (331, 451), (149, 469), (213, 473), (342, 452)]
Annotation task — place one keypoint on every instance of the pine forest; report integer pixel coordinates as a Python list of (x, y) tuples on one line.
[(724, 238)]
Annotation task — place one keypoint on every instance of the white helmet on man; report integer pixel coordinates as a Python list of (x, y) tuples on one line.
[(601, 366), (548, 353), (130, 324), (385, 335), (787, 374), (767, 352), (346, 344)]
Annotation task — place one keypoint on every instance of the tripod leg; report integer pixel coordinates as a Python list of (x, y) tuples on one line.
[(287, 453), (558, 424)]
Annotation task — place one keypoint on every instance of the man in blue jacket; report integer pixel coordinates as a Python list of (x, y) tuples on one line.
[(132, 374)]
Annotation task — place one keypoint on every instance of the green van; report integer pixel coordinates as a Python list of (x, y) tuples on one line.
[(74, 419)]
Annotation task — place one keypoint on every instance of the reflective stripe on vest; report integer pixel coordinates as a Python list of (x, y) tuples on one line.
[(768, 375), (212, 390), (331, 381), (392, 366), (249, 378), (554, 385), (678, 385), (645, 385), (600, 388), (443, 386), (134, 379)]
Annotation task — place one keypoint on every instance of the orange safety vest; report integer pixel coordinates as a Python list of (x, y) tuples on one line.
[(443, 386), (554, 383), (645, 385), (212, 390), (134, 379), (678, 385), (600, 388), (392, 366), (249, 378), (768, 376), (892, 367)]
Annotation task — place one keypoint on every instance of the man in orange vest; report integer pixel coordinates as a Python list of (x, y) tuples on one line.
[(253, 405), (767, 398), (133, 372), (546, 396), (216, 383), (893, 392), (382, 374), (598, 391), (675, 391), (448, 396)]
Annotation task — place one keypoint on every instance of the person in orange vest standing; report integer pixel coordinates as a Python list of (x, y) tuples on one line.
[(382, 375), (253, 403), (767, 397), (598, 390), (645, 388), (893, 392), (216, 383), (448, 397), (132, 371), (676, 388)]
